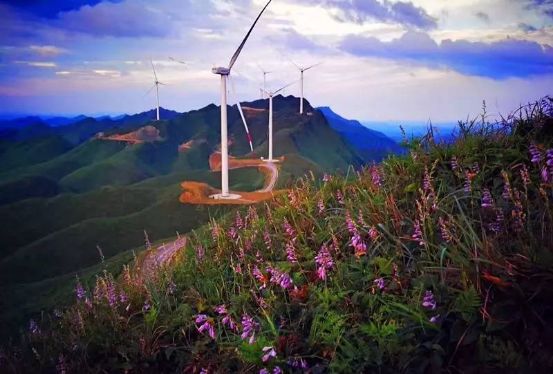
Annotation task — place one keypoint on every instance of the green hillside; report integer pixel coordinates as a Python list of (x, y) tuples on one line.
[(440, 261)]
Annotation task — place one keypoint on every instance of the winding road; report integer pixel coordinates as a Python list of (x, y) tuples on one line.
[(160, 256)]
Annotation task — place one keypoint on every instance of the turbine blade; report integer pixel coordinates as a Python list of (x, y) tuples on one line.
[(245, 124), (289, 59), (179, 61), (288, 85), (154, 69), (312, 66), (150, 90), (237, 53)]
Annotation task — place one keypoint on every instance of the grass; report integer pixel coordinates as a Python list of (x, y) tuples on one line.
[(439, 261)]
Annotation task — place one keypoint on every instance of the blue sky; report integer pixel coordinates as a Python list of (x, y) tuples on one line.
[(382, 59)]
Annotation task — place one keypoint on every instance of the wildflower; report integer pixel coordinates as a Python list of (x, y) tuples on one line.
[(289, 230), (204, 371), (444, 230), (264, 371), (417, 233), (277, 370), (280, 278), (238, 222), (268, 353), (58, 313), (79, 291), (545, 175), (376, 177), (221, 309), (267, 240), (497, 225), (340, 197), (206, 324), (123, 298), (454, 163), (507, 191), (324, 262), (549, 162), (252, 214), (298, 363), (427, 181), (61, 367), (487, 200), (232, 232), (33, 327), (111, 294), (428, 301), (200, 253), (291, 253), (249, 327), (359, 246), (379, 282), (321, 206), (373, 233), (535, 154), (146, 307), (215, 232), (350, 224), (260, 277), (467, 186), (476, 168), (435, 319), (326, 178), (258, 257)]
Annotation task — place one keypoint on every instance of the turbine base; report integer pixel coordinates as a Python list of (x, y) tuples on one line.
[(272, 161), (227, 197)]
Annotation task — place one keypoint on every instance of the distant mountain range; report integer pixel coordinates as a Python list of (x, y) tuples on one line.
[(66, 188)]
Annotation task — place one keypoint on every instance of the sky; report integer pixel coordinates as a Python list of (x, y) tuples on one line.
[(381, 60)]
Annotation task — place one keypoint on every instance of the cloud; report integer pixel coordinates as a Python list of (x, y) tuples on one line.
[(38, 64), (126, 19), (47, 50), (50, 8), (362, 11), (496, 60), (543, 6), (483, 16)]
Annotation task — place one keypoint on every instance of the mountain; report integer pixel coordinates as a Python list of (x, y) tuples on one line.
[(65, 190), (370, 144)]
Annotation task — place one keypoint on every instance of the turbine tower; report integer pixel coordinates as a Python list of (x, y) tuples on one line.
[(302, 70), (156, 86), (271, 95), (224, 72)]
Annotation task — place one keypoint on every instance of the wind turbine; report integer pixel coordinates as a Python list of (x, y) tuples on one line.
[(264, 79), (224, 72), (248, 135), (302, 70), (271, 95), (156, 86)]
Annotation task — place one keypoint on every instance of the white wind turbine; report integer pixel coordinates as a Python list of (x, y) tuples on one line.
[(302, 70), (224, 73), (156, 86), (264, 80), (271, 95)]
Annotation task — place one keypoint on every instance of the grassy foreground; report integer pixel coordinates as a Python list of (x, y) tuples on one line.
[(440, 261)]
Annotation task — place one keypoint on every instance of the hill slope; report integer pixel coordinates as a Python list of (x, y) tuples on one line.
[(439, 261)]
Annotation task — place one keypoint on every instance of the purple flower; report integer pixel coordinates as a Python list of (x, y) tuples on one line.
[(33, 327), (238, 222), (373, 233), (321, 206), (476, 168), (525, 175), (79, 291), (291, 253), (376, 177), (221, 309), (507, 191), (350, 224), (487, 200), (205, 325), (427, 181), (379, 282), (298, 363), (277, 370), (444, 230), (535, 154), (233, 233), (260, 277), (123, 298), (204, 371), (428, 301), (280, 278), (326, 178), (417, 233), (268, 353), (146, 307), (467, 186), (171, 288), (111, 294), (228, 321), (545, 175), (359, 246), (249, 327), (289, 230), (264, 371), (454, 163), (267, 240), (324, 262), (435, 319)]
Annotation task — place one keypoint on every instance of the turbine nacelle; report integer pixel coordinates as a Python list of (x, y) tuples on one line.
[(221, 71)]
